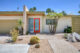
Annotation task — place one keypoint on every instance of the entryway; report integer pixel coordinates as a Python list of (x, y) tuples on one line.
[(34, 25)]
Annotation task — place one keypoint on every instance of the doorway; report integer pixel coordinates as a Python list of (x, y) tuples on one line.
[(34, 25)]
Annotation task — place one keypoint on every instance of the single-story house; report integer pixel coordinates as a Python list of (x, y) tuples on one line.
[(35, 22)]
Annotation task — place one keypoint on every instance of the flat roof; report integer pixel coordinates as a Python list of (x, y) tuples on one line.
[(11, 12), (36, 12), (70, 15), (33, 13)]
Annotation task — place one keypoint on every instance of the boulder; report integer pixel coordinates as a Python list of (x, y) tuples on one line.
[(69, 37), (76, 36)]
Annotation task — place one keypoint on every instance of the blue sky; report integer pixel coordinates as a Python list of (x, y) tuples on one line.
[(69, 6)]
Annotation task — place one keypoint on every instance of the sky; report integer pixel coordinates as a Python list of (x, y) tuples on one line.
[(69, 6)]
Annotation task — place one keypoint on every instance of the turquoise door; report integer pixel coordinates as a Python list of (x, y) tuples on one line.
[(31, 25), (34, 25)]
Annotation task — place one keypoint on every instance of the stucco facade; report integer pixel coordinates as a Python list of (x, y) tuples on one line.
[(41, 18), (63, 22)]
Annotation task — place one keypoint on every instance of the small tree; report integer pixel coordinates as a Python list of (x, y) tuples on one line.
[(56, 16)]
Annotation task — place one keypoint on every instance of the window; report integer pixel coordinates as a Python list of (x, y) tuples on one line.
[(50, 21)]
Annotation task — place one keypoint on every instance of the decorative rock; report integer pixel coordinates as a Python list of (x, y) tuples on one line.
[(76, 36), (37, 46), (9, 41), (69, 38)]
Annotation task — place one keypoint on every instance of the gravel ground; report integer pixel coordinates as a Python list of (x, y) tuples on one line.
[(44, 48), (25, 40), (20, 40), (44, 45)]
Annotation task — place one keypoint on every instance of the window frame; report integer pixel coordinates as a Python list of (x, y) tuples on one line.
[(51, 21)]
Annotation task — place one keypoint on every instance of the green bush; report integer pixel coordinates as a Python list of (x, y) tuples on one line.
[(27, 32), (65, 36), (14, 33), (68, 30), (34, 40), (16, 28)]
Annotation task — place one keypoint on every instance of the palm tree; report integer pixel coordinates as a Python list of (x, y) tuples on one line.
[(31, 9), (34, 8), (55, 16), (79, 12), (48, 10), (64, 13)]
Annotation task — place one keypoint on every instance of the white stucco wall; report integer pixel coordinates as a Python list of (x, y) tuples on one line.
[(44, 28), (62, 23), (41, 30), (10, 17)]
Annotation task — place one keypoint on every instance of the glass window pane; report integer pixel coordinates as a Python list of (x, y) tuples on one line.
[(36, 24), (50, 21), (31, 30)]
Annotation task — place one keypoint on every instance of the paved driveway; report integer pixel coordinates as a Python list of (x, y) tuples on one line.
[(14, 48)]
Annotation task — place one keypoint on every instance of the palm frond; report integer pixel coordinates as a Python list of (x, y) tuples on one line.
[(54, 15)]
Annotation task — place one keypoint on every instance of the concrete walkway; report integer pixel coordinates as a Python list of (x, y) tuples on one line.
[(61, 46), (14, 48)]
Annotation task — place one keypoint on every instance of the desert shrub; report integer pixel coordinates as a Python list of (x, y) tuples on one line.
[(65, 36), (68, 30), (14, 33), (27, 32), (37, 46), (20, 26), (16, 28), (34, 40)]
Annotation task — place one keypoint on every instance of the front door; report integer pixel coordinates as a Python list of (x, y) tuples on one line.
[(34, 25)]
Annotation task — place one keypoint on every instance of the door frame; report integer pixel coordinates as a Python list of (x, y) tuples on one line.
[(34, 25)]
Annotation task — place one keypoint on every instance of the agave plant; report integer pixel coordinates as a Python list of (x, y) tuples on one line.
[(20, 26)]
